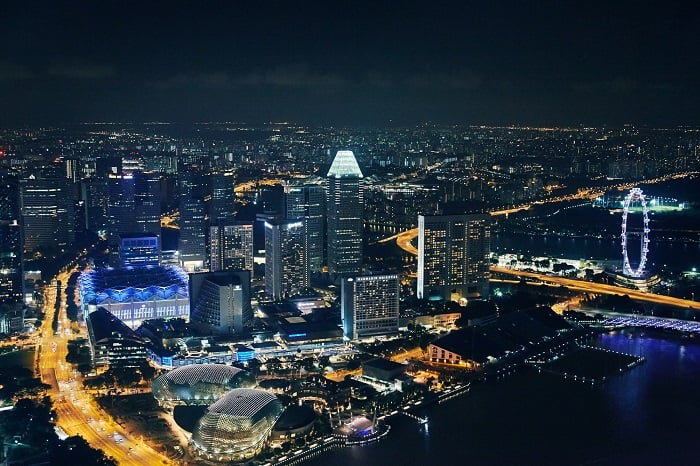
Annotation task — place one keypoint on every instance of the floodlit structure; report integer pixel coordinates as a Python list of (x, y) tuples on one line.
[(453, 256), (199, 384), (369, 305), (286, 273), (344, 215), (635, 194), (136, 294), (236, 427)]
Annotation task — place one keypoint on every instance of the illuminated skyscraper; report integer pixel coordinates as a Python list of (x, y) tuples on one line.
[(138, 250), (231, 247), (308, 203), (192, 246), (286, 273), (11, 278), (221, 300), (370, 305), (344, 215), (453, 256), (133, 204), (222, 198), (48, 212)]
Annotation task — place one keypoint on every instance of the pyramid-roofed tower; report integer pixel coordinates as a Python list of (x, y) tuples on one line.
[(344, 212), (344, 164)]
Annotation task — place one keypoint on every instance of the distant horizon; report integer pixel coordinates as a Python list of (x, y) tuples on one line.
[(392, 125)]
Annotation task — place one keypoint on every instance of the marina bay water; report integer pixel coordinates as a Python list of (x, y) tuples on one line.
[(647, 416), (674, 236), (677, 255)]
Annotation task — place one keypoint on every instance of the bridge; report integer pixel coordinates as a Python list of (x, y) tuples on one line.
[(615, 319)]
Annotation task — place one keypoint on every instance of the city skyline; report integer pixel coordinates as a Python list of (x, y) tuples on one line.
[(367, 64), (457, 254), (319, 222)]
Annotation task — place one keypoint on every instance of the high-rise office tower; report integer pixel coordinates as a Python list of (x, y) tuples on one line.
[(231, 247), (344, 215), (369, 305), (11, 277), (138, 250), (222, 198), (48, 212), (192, 245), (308, 203), (95, 197), (286, 273), (453, 256), (133, 204), (221, 301)]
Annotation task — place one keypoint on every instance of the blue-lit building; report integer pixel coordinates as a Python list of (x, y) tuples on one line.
[(133, 203), (136, 294), (138, 250)]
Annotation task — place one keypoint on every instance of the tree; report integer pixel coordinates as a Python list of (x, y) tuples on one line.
[(75, 450), (147, 371), (425, 340)]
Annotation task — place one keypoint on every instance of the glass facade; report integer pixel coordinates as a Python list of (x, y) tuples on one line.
[(236, 427), (344, 215), (199, 384), (453, 256), (370, 305)]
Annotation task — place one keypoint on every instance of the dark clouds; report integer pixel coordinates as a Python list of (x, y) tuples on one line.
[(354, 63)]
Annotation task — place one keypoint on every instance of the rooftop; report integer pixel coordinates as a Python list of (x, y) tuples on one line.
[(242, 402), (344, 164)]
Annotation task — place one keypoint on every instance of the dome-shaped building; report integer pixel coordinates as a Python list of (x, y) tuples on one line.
[(199, 384), (236, 427)]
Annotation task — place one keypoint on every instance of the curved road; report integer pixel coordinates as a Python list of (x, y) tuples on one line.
[(76, 414), (405, 240)]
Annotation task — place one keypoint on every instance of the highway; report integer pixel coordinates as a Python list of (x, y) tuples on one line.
[(600, 288), (405, 240), (77, 413)]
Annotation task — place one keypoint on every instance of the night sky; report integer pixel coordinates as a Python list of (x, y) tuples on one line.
[(351, 63)]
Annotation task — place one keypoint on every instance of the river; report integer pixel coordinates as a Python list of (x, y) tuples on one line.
[(649, 415)]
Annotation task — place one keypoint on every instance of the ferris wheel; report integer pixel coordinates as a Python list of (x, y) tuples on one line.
[(635, 194)]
